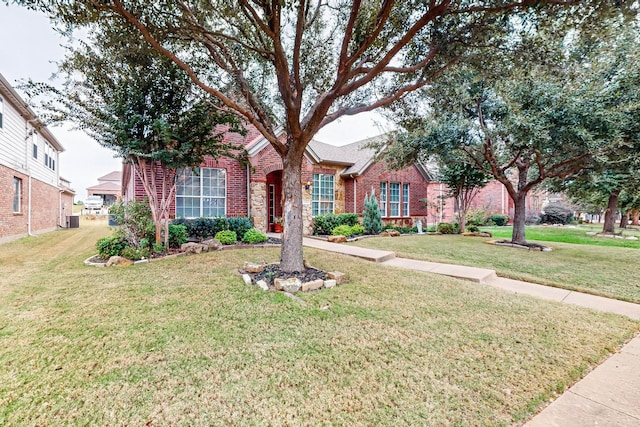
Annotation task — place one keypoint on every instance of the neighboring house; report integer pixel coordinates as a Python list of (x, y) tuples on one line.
[(33, 197), (335, 179), (109, 188)]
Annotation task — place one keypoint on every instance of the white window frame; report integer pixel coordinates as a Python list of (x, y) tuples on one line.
[(17, 195), (394, 199), (323, 194), (405, 199), (49, 156), (195, 182), (383, 199)]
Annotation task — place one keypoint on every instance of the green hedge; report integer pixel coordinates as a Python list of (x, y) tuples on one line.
[(324, 224), (205, 228)]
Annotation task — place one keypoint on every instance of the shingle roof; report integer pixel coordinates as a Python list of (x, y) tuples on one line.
[(112, 176), (355, 156)]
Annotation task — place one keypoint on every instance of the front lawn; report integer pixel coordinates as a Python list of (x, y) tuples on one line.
[(185, 342), (571, 234), (601, 270)]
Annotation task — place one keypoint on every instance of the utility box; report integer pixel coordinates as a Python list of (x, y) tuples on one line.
[(73, 221), (112, 221)]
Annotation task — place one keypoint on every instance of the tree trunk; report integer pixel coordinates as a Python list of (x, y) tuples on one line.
[(624, 220), (519, 215), (291, 258), (635, 217), (610, 213)]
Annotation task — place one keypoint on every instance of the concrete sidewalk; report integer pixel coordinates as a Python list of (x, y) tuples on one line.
[(608, 396)]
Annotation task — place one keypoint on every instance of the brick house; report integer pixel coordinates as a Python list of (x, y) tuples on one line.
[(34, 199), (109, 187), (335, 179)]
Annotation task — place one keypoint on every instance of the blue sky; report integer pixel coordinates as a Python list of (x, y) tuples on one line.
[(30, 49)]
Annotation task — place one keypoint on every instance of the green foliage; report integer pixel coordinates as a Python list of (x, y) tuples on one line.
[(111, 246), (556, 213), (135, 254), (159, 248), (227, 237), (136, 222), (342, 230), (446, 228), (477, 217), (324, 224), (357, 230), (498, 219), (239, 224), (473, 229), (371, 218), (177, 235), (254, 236)]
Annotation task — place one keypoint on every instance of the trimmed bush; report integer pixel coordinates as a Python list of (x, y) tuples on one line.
[(498, 219), (342, 230), (446, 228), (177, 235), (135, 254), (476, 217), (473, 229), (254, 236), (371, 218), (239, 224), (227, 237), (324, 224), (111, 246), (556, 213), (357, 230)]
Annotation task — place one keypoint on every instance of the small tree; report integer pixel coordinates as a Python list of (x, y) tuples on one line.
[(371, 218)]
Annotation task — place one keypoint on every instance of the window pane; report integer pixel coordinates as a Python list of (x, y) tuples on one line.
[(405, 199), (202, 194), (17, 188), (394, 199), (322, 194)]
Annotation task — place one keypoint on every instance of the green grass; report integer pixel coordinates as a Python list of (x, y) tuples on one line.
[(601, 270), (570, 234), (184, 342)]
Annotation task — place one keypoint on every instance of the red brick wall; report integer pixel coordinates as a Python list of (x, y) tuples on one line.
[(45, 202), (377, 173)]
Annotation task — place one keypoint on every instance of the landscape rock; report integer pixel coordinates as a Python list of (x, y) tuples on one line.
[(312, 286), (291, 285), (339, 277), (247, 279), (393, 233), (631, 238), (213, 244), (330, 283), (193, 248), (262, 285), (119, 261), (250, 267), (337, 239)]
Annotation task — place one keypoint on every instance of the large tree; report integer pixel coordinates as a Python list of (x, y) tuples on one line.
[(299, 65), (522, 129), (141, 105)]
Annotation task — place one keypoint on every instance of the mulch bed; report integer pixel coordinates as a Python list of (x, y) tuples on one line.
[(529, 246), (273, 271)]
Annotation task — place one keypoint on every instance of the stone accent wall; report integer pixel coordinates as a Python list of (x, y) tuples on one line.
[(307, 218), (259, 205)]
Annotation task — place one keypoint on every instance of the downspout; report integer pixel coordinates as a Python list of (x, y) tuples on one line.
[(441, 203), (248, 192)]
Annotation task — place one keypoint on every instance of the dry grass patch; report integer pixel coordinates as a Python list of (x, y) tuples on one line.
[(185, 342)]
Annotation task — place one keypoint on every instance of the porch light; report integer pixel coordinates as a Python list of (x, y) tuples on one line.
[(307, 185)]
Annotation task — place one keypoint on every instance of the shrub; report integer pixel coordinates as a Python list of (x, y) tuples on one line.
[(135, 220), (476, 217), (357, 230), (239, 224), (498, 219), (111, 246), (177, 235), (371, 218), (135, 254), (473, 229), (556, 213), (324, 224), (227, 237), (432, 229), (446, 228), (254, 236), (342, 230)]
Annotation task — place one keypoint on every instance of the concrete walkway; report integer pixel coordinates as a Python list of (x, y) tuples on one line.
[(608, 396)]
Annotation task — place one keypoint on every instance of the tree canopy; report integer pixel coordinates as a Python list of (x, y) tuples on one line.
[(141, 105), (325, 59)]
